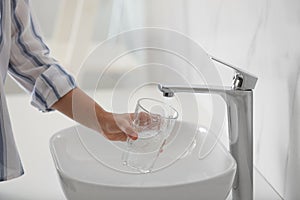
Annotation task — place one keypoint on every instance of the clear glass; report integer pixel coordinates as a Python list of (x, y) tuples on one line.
[(154, 121)]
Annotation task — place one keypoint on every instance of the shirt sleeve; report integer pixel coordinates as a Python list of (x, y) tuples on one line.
[(30, 62)]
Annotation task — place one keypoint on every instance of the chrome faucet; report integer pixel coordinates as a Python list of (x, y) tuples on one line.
[(239, 102)]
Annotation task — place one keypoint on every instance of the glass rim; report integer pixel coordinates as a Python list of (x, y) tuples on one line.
[(161, 102)]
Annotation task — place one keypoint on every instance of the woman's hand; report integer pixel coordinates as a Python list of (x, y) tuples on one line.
[(117, 127), (80, 107)]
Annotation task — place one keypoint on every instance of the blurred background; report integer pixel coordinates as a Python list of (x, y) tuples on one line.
[(261, 36)]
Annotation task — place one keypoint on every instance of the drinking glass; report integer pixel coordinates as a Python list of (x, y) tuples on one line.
[(153, 121)]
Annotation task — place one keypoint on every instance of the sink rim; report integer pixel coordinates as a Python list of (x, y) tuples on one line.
[(230, 169)]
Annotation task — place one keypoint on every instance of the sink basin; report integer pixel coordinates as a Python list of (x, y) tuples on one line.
[(83, 177)]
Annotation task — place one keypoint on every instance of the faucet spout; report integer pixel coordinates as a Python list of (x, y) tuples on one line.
[(166, 91), (169, 90)]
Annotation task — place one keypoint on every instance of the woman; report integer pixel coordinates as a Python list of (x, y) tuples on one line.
[(26, 58)]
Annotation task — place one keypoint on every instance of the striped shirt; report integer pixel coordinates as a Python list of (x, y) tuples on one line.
[(25, 57)]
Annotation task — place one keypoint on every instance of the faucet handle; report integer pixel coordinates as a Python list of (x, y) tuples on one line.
[(242, 80)]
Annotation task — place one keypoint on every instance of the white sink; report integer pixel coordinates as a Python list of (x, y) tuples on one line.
[(83, 177)]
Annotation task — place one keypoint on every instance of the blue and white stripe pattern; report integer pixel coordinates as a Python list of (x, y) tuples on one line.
[(25, 56)]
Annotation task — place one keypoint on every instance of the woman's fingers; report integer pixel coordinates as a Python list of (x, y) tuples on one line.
[(118, 127), (120, 136), (130, 132)]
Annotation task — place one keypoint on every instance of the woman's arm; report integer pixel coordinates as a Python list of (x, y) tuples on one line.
[(50, 85), (80, 107)]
